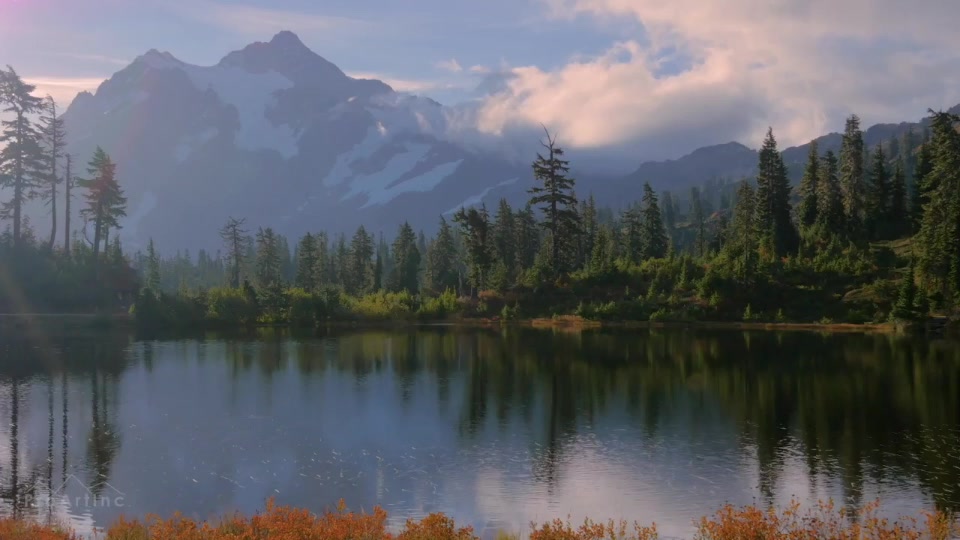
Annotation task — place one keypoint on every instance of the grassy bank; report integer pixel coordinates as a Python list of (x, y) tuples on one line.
[(822, 521)]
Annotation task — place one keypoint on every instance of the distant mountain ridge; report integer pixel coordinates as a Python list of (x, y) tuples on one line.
[(281, 136)]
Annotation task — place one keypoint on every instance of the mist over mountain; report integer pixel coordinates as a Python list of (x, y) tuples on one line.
[(279, 135)]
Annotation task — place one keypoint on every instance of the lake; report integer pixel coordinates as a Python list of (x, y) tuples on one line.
[(495, 427)]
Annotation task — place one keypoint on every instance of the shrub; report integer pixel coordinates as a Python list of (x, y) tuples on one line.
[(439, 307)]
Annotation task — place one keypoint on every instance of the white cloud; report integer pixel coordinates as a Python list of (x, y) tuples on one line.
[(798, 66), (480, 70), (401, 84), (450, 65), (63, 89)]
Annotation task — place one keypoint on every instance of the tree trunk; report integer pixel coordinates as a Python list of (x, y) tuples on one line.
[(98, 227), (53, 212), (68, 181)]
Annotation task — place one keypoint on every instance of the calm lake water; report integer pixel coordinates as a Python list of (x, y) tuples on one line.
[(494, 427)]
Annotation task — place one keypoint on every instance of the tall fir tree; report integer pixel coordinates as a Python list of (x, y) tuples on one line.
[(441, 260), (53, 135), (590, 226), (939, 262), (878, 195), (269, 265), (235, 239), (830, 213), (406, 261), (67, 203), (810, 188), (669, 215), (359, 280), (604, 252), (21, 157), (742, 243), (898, 214), (698, 220), (528, 238), (632, 233), (106, 203), (920, 195), (475, 226), (776, 233), (307, 263), (557, 201), (653, 234), (852, 183), (505, 237), (153, 269)]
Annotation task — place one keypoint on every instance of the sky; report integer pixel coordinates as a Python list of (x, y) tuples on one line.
[(651, 77)]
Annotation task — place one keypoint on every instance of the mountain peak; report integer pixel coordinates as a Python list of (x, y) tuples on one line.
[(287, 39), (158, 59)]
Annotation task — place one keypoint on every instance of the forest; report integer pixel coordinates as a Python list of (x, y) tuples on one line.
[(869, 235)]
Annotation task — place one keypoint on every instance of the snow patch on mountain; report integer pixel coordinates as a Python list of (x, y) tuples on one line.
[(251, 94), (478, 198), (342, 170), (422, 183)]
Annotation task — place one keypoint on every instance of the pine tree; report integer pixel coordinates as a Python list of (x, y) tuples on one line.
[(852, 184), (939, 262), (653, 235), (441, 260), (590, 228), (505, 237), (53, 135), (905, 307), (269, 273), (669, 215), (698, 220), (235, 241), (21, 158), (528, 238), (898, 216), (830, 213), (67, 200), (810, 188), (920, 195), (359, 280), (775, 230), (632, 233), (742, 243), (475, 225), (878, 195), (106, 203), (603, 253), (307, 258), (557, 200), (321, 272), (406, 261), (153, 269)]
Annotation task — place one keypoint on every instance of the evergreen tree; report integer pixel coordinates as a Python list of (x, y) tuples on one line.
[(505, 237), (669, 215), (21, 156), (106, 203), (898, 217), (603, 254), (852, 184), (775, 230), (53, 134), (743, 244), (939, 262), (528, 239), (632, 233), (441, 260), (653, 235), (920, 195), (557, 200), (307, 263), (153, 269), (475, 225), (698, 220), (67, 200), (359, 280), (269, 272), (406, 261), (590, 226), (235, 241), (810, 188), (905, 307), (830, 213), (878, 196), (322, 271)]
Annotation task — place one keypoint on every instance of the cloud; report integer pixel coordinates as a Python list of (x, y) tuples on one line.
[(480, 70), (450, 65), (258, 22), (403, 84), (63, 89), (96, 58), (798, 66)]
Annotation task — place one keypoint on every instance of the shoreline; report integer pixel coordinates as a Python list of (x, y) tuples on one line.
[(569, 322)]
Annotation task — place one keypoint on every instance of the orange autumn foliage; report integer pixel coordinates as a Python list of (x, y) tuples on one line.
[(823, 521)]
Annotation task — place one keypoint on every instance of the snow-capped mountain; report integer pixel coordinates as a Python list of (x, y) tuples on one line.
[(281, 136)]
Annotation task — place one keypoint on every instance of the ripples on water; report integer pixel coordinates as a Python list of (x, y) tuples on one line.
[(496, 428)]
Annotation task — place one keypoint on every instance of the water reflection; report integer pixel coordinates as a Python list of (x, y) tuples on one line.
[(508, 425)]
